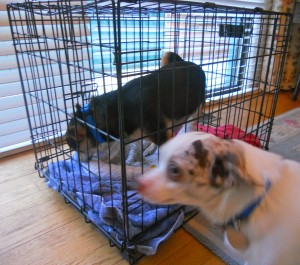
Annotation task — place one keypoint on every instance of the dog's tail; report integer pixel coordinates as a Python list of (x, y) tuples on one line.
[(170, 57)]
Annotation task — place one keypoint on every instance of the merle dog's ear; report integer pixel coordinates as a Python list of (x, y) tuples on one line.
[(226, 171)]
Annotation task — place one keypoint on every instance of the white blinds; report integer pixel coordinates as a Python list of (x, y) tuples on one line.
[(14, 128), (13, 122)]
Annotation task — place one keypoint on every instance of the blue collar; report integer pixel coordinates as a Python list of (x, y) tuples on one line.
[(250, 208), (89, 119)]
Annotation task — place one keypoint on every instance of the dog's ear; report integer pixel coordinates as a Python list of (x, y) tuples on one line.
[(81, 132), (170, 57), (77, 114), (75, 135), (92, 104), (78, 107), (227, 171)]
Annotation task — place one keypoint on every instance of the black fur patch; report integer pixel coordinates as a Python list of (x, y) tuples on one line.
[(192, 172), (218, 170), (221, 168), (230, 157), (173, 57), (71, 140), (201, 153)]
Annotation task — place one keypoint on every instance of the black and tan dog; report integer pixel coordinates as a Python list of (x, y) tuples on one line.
[(151, 103)]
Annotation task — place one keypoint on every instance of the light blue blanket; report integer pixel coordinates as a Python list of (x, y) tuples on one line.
[(102, 198)]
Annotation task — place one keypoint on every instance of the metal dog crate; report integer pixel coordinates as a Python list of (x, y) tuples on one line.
[(68, 51)]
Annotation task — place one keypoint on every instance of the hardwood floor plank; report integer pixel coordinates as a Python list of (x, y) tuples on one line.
[(168, 249), (20, 228), (18, 188), (73, 243), (16, 165), (285, 103), (193, 254), (112, 255), (25, 203), (181, 246)]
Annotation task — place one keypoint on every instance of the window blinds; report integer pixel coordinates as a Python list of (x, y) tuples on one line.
[(14, 128), (13, 121)]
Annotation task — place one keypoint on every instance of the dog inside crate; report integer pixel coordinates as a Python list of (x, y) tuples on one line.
[(130, 77), (159, 101)]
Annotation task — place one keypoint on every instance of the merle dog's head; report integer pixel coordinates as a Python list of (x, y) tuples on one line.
[(196, 169)]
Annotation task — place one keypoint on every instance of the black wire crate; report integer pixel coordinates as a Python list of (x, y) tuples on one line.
[(71, 53)]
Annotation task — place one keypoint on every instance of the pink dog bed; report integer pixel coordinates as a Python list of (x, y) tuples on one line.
[(229, 131)]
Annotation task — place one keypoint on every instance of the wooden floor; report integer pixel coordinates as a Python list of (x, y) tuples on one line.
[(37, 227)]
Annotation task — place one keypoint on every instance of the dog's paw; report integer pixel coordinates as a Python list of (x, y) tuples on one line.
[(150, 150)]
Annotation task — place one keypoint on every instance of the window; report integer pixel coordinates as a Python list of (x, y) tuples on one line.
[(224, 45)]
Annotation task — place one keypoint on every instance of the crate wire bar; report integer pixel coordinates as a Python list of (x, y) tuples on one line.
[(70, 51)]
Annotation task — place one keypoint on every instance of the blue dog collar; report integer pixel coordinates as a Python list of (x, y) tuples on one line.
[(250, 208), (89, 119)]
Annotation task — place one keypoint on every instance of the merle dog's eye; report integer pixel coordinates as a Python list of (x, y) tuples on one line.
[(173, 171)]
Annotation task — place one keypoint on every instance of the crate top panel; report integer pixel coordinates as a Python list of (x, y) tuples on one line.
[(96, 7)]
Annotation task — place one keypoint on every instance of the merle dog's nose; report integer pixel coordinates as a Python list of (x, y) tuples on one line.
[(143, 185)]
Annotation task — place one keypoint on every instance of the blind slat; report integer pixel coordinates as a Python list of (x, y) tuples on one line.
[(10, 139), (22, 125), (11, 102), (13, 127), (16, 101), (9, 61), (15, 88), (6, 32), (39, 72), (7, 48), (19, 113), (10, 89), (4, 19), (12, 114)]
